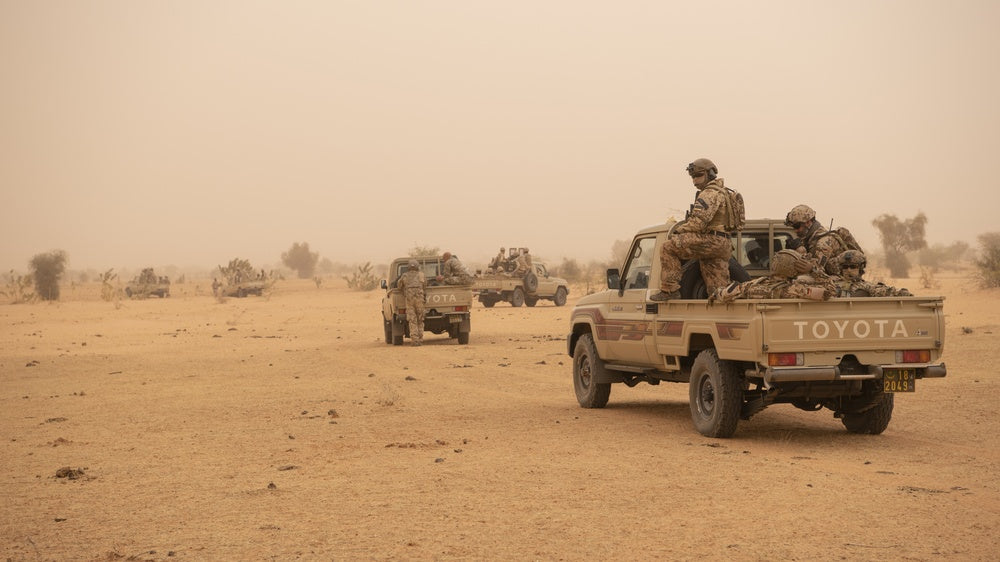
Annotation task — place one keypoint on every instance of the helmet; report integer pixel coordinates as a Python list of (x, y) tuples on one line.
[(799, 213), (413, 264), (853, 258), (702, 165), (789, 263), (502, 249)]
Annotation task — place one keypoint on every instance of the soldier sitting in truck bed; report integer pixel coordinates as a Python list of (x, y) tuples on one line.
[(786, 281), (850, 284)]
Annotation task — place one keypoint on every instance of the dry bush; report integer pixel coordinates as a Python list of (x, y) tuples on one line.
[(47, 269), (17, 288), (363, 279), (111, 289), (989, 259), (899, 237), (299, 259)]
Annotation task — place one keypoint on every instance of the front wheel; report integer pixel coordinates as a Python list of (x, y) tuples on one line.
[(517, 297), (587, 369), (388, 330), (560, 298), (716, 395)]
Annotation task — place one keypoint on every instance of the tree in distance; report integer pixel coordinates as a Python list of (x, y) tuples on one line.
[(899, 237), (989, 259), (47, 269), (298, 258)]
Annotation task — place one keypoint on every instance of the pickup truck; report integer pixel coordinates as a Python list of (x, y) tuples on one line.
[(147, 284), (528, 289), (447, 307), (849, 355)]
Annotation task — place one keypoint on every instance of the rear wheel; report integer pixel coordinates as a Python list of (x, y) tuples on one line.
[(463, 338), (872, 421), (517, 297), (560, 298), (716, 395), (588, 368), (488, 302), (531, 301), (388, 330)]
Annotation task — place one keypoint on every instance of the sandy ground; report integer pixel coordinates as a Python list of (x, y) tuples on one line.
[(285, 428)]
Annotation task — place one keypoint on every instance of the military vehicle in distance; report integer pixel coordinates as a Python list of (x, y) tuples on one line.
[(447, 307), (534, 286), (147, 284)]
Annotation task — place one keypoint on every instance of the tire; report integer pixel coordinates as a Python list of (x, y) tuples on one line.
[(241, 293), (463, 338), (872, 421), (530, 301), (128, 292), (587, 368), (530, 282), (716, 394), (397, 339), (388, 330), (488, 303), (517, 297), (560, 298)]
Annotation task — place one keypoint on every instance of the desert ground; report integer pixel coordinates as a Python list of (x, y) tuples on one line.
[(284, 428)]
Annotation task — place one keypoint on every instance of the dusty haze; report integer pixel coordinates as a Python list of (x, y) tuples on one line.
[(189, 133)]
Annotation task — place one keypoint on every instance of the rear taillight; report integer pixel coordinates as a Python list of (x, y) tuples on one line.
[(461, 309), (402, 311), (785, 359), (913, 356)]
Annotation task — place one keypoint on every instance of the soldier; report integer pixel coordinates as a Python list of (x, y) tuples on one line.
[(523, 263), (701, 236), (453, 272), (497, 264), (822, 245), (412, 285), (786, 281), (850, 284)]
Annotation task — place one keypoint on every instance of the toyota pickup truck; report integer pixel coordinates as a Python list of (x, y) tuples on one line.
[(849, 355), (447, 307), (536, 285)]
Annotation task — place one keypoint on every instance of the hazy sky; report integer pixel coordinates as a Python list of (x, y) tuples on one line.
[(190, 132)]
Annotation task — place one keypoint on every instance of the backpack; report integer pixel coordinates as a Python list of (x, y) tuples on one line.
[(845, 238), (736, 215)]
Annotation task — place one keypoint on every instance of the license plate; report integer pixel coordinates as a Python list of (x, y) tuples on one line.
[(899, 380), (455, 319)]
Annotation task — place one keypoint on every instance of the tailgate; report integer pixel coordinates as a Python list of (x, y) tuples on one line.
[(863, 326)]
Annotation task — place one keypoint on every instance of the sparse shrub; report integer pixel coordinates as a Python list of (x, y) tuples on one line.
[(418, 251), (17, 288), (363, 279), (569, 270), (299, 259), (940, 256), (989, 259), (318, 281), (47, 269), (109, 289)]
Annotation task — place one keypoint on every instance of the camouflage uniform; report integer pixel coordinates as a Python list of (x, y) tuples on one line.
[(412, 285), (782, 283), (824, 248), (454, 273), (862, 288), (701, 236), (523, 262)]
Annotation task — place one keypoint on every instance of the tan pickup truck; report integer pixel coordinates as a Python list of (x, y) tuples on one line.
[(850, 355), (529, 289), (447, 307)]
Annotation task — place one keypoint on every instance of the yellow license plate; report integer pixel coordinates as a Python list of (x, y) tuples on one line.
[(899, 380)]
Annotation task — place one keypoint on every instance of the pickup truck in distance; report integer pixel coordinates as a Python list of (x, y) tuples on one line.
[(849, 355), (447, 307)]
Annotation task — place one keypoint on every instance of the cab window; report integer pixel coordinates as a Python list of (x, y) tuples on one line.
[(639, 263)]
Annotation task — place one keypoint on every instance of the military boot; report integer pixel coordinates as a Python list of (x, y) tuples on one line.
[(663, 296)]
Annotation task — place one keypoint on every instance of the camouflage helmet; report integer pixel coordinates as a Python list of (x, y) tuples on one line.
[(789, 263), (413, 264), (853, 258), (702, 165), (799, 213)]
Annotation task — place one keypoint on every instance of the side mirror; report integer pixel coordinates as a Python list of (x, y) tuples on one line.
[(614, 279), (384, 284)]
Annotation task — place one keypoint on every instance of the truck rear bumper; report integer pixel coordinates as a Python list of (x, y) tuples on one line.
[(804, 374)]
